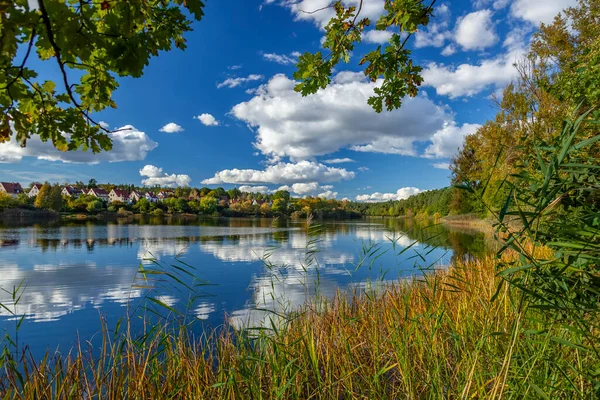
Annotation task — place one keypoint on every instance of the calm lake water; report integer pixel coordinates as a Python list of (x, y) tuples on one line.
[(74, 273)]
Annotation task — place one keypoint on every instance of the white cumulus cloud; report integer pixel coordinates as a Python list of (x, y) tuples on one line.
[(282, 59), (237, 81), (301, 188), (401, 194), (449, 50), (447, 141), (254, 189), (312, 189), (289, 125), (328, 194), (207, 119), (155, 176), (471, 79), (282, 173), (171, 127), (338, 160), (378, 37), (476, 31), (129, 144), (539, 11), (437, 31)]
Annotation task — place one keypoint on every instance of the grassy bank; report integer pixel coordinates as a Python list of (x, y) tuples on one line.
[(442, 337), (469, 221)]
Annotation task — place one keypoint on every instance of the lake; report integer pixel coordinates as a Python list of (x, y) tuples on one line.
[(75, 273)]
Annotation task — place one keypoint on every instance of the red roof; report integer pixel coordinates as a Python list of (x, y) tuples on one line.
[(121, 193), (12, 187), (98, 191), (72, 190)]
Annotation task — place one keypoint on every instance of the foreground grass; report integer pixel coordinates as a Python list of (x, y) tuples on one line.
[(442, 337)]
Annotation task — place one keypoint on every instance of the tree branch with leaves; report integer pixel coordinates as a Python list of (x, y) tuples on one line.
[(93, 43), (392, 63)]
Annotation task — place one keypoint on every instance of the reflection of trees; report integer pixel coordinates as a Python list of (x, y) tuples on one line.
[(281, 236), (472, 244), (9, 242)]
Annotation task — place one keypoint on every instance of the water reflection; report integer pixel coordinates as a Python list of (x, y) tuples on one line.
[(291, 253), (54, 290), (72, 269), (279, 292)]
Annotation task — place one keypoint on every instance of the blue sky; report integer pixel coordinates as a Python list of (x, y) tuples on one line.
[(224, 113)]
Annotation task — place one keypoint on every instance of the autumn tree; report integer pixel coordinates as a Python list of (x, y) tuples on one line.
[(234, 193), (280, 206), (94, 206), (558, 77), (42, 200), (194, 194), (55, 198), (281, 194), (143, 205), (208, 205)]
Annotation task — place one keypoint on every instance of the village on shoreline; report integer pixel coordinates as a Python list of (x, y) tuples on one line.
[(94, 198)]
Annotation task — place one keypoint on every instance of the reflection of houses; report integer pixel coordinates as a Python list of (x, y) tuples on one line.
[(35, 189), (71, 191), (119, 195), (99, 193), (11, 188)]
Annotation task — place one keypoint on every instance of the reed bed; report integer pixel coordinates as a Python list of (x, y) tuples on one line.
[(451, 334)]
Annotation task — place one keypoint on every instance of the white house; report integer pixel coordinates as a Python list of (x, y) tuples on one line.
[(151, 197), (135, 196), (11, 188), (118, 195), (71, 191), (99, 193), (35, 190)]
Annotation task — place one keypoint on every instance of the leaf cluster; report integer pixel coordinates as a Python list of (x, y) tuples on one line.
[(391, 64), (90, 43)]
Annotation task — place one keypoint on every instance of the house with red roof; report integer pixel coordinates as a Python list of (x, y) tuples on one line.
[(118, 195), (135, 196), (99, 193), (71, 191), (35, 189), (11, 188)]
